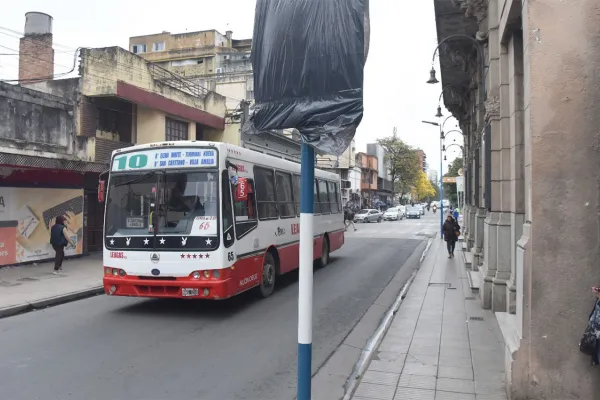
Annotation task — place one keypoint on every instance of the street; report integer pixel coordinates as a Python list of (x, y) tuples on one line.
[(128, 348)]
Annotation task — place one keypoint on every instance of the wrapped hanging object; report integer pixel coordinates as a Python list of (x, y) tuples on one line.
[(308, 58)]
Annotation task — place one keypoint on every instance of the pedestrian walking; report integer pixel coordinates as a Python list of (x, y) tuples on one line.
[(59, 238), (451, 233), (455, 214), (349, 218)]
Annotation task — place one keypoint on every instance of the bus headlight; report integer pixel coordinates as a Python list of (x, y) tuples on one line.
[(122, 272), (206, 274), (196, 275), (107, 271), (216, 273), (115, 272)]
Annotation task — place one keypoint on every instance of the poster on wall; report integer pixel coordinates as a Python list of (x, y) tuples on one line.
[(26, 216)]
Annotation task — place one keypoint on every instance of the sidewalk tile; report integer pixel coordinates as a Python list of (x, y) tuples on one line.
[(381, 378), (423, 359), (417, 382), (455, 385), (431, 350), (455, 372), (378, 392), (491, 396), (404, 393), (414, 368), (387, 366), (390, 356), (453, 396), (456, 362)]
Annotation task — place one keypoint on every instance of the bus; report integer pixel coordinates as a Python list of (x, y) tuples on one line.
[(201, 220)]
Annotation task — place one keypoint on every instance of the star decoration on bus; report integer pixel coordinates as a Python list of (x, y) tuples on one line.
[(207, 255), (112, 242), (162, 240), (195, 256), (189, 256), (208, 242), (146, 241)]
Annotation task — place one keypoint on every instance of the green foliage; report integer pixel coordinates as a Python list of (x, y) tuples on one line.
[(402, 163), (450, 188)]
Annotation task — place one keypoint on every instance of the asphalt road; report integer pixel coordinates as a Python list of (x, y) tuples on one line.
[(140, 349)]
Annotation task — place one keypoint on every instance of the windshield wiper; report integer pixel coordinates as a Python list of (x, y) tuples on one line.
[(136, 180)]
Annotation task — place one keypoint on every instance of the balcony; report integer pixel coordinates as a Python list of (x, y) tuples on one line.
[(384, 185)]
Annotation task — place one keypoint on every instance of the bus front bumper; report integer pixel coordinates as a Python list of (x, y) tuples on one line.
[(180, 288)]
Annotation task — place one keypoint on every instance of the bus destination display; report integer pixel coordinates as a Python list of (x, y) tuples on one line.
[(165, 158)]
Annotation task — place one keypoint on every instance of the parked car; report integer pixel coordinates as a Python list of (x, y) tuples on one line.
[(368, 215), (402, 210), (413, 212), (393, 214)]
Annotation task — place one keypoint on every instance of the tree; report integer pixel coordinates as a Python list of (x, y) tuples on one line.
[(402, 163), (423, 188), (450, 188)]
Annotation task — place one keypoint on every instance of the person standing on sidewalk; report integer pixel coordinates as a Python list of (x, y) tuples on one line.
[(451, 232), (59, 238)]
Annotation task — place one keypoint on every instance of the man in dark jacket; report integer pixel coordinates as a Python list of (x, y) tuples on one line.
[(451, 232), (349, 217)]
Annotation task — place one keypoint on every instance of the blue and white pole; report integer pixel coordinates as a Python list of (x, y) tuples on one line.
[(305, 292)]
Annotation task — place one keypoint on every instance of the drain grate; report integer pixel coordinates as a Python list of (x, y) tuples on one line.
[(476, 319), (470, 298)]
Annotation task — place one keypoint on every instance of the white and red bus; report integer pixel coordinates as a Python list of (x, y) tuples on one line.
[(192, 219)]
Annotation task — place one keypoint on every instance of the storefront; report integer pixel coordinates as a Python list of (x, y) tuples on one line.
[(30, 200)]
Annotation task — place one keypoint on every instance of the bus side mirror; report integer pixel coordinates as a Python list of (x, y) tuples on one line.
[(101, 191), (241, 190)]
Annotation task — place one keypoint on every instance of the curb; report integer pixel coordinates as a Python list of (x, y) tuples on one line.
[(50, 301), (382, 329)]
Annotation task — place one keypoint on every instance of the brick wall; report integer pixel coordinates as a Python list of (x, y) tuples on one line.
[(36, 57)]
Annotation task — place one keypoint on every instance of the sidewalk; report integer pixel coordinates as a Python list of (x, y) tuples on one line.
[(441, 344), (34, 286)]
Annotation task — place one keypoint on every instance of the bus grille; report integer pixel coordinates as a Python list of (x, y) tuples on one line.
[(158, 290)]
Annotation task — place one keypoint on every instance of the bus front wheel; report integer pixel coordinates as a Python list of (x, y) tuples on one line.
[(267, 284)]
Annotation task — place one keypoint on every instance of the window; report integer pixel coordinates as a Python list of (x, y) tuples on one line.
[(107, 120), (265, 193), (333, 197), (227, 211), (324, 198), (138, 48), (245, 212), (317, 205), (296, 187), (176, 130), (285, 199), (158, 46)]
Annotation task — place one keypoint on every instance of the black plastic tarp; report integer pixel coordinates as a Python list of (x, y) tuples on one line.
[(308, 58)]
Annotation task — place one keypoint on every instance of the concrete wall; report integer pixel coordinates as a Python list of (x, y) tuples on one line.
[(101, 69), (37, 123), (562, 51)]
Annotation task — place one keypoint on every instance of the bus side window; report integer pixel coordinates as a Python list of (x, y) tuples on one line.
[(227, 212), (245, 211)]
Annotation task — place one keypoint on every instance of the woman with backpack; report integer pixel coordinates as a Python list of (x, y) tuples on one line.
[(59, 239)]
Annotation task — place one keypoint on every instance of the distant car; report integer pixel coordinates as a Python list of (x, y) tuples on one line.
[(413, 212), (368, 215), (402, 210), (393, 214), (421, 209)]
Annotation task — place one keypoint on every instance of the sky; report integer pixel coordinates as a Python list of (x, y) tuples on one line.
[(403, 38)]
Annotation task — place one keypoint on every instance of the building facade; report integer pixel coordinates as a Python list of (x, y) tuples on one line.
[(422, 160), (217, 62), (368, 179), (345, 167), (521, 87), (384, 184), (57, 136)]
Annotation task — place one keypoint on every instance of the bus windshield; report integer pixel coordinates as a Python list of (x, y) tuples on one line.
[(161, 202)]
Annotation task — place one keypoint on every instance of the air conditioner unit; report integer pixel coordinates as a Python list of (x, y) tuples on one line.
[(219, 71), (227, 57)]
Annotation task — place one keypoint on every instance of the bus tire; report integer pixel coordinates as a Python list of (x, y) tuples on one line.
[(267, 282), (324, 259)]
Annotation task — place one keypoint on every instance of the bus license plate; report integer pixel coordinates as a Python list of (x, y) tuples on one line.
[(189, 292)]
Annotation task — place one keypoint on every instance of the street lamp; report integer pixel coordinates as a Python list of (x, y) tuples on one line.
[(439, 112), (432, 78), (441, 173)]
